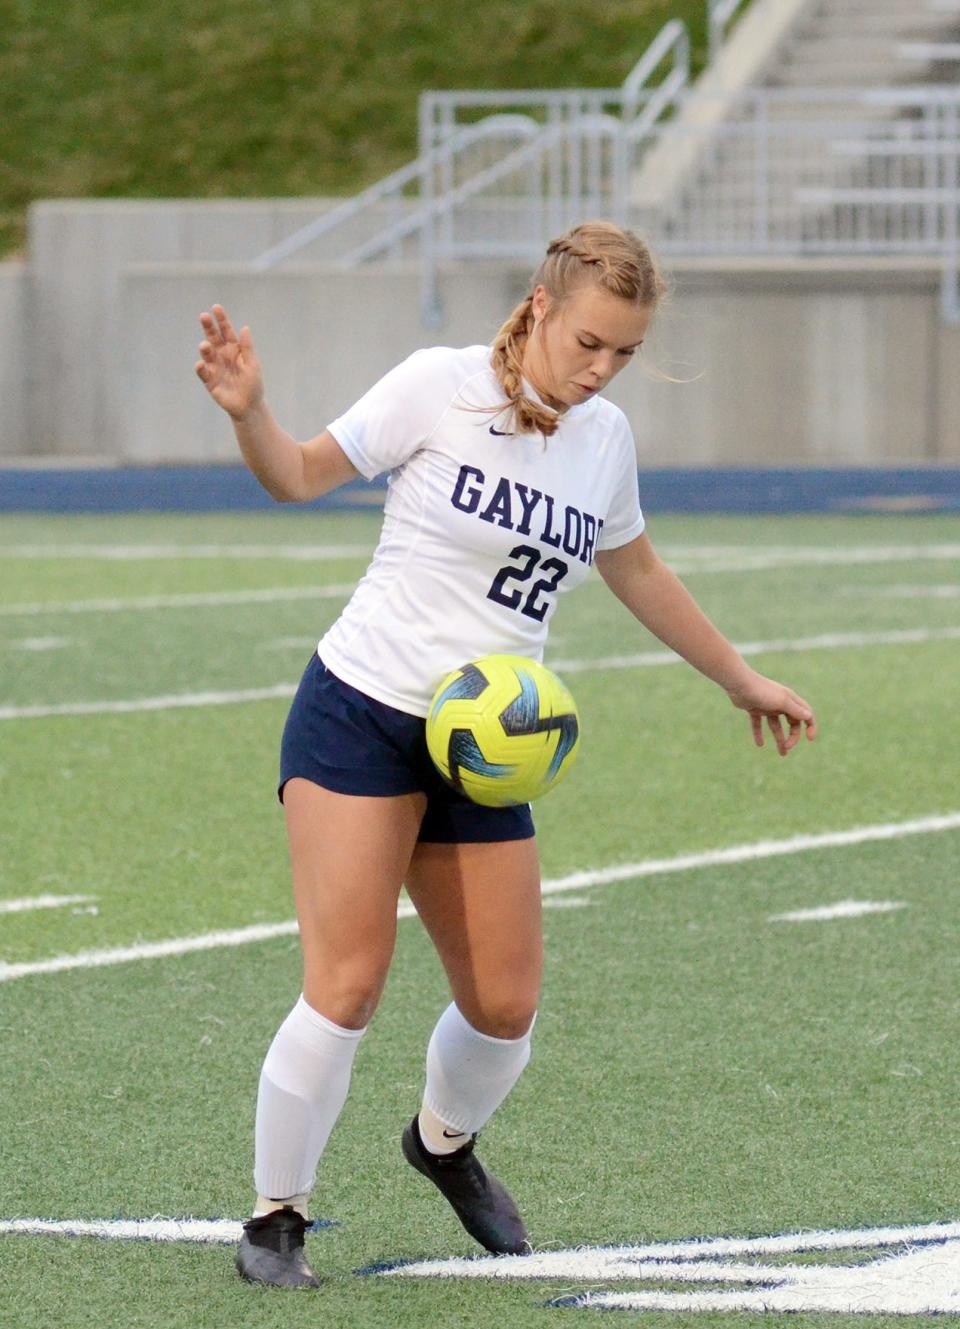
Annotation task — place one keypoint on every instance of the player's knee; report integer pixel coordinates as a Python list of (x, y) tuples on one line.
[(509, 1015), (348, 997)]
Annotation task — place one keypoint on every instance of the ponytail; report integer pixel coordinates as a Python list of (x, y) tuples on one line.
[(529, 417), (600, 252)]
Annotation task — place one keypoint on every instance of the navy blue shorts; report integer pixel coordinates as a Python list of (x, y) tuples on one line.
[(338, 737)]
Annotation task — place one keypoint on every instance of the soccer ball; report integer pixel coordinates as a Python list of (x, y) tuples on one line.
[(503, 730)]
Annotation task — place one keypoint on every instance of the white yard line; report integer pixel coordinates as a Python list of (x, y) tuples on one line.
[(186, 699), (684, 559), (725, 558), (43, 902), (151, 950), (646, 659), (901, 591), (828, 641), (38, 644), (746, 853), (842, 909), (575, 881), (189, 600)]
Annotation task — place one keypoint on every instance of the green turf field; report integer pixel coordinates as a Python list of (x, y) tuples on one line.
[(698, 1070)]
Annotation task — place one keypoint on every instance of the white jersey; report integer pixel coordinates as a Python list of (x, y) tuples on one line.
[(483, 529)]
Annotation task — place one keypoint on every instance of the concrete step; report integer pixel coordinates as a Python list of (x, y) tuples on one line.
[(875, 218), (838, 44), (836, 9), (926, 26), (782, 164), (847, 48), (880, 73), (848, 113)]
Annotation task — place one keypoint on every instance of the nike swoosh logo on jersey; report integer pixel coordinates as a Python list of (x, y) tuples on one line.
[(501, 433), (453, 1135)]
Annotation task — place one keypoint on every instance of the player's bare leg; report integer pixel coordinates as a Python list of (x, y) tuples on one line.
[(481, 905), (349, 856)]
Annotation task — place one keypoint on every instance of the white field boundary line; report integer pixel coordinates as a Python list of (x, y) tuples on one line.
[(43, 902), (210, 1231), (922, 1277), (188, 600), (620, 1262), (647, 659), (574, 881), (206, 1231), (609, 1262)]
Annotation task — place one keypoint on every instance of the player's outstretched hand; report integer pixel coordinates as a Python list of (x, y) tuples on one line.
[(228, 365), (764, 699)]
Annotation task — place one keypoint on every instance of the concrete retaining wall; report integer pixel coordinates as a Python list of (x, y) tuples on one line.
[(14, 314), (78, 250), (323, 337), (818, 362), (808, 362), (783, 363)]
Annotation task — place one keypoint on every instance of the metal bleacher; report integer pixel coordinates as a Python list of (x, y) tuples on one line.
[(836, 132)]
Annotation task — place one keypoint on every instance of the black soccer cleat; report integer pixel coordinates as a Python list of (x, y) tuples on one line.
[(271, 1250), (482, 1203)]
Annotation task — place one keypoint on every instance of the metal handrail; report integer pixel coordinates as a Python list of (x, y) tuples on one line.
[(719, 14), (570, 107), (437, 207), (672, 38), (391, 184), (569, 155), (547, 138)]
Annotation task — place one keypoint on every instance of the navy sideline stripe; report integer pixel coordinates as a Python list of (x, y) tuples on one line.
[(231, 488)]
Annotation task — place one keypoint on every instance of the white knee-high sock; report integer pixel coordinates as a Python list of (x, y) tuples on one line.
[(303, 1086), (469, 1074)]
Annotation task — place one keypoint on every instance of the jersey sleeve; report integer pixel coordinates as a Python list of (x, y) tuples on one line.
[(624, 519), (390, 421)]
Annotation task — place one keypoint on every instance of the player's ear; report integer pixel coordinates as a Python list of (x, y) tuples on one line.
[(540, 303)]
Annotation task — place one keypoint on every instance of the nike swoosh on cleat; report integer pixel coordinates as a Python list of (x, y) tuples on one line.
[(501, 433)]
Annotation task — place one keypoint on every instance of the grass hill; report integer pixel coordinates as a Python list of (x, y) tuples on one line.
[(124, 98)]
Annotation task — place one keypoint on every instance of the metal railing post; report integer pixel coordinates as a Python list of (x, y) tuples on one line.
[(431, 305), (719, 14), (950, 295), (761, 220)]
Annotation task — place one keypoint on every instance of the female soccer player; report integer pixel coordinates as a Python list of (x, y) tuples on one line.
[(509, 476)]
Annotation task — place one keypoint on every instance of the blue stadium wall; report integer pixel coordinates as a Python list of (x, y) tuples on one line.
[(228, 488)]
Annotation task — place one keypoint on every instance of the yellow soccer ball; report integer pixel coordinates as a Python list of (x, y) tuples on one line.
[(503, 730)]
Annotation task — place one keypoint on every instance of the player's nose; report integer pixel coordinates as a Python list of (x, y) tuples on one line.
[(602, 366)]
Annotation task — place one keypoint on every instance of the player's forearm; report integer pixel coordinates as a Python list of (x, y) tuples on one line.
[(666, 608), (271, 454)]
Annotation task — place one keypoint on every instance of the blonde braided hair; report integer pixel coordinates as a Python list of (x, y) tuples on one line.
[(597, 251)]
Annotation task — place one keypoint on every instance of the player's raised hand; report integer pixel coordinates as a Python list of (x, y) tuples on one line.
[(767, 700), (228, 365)]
